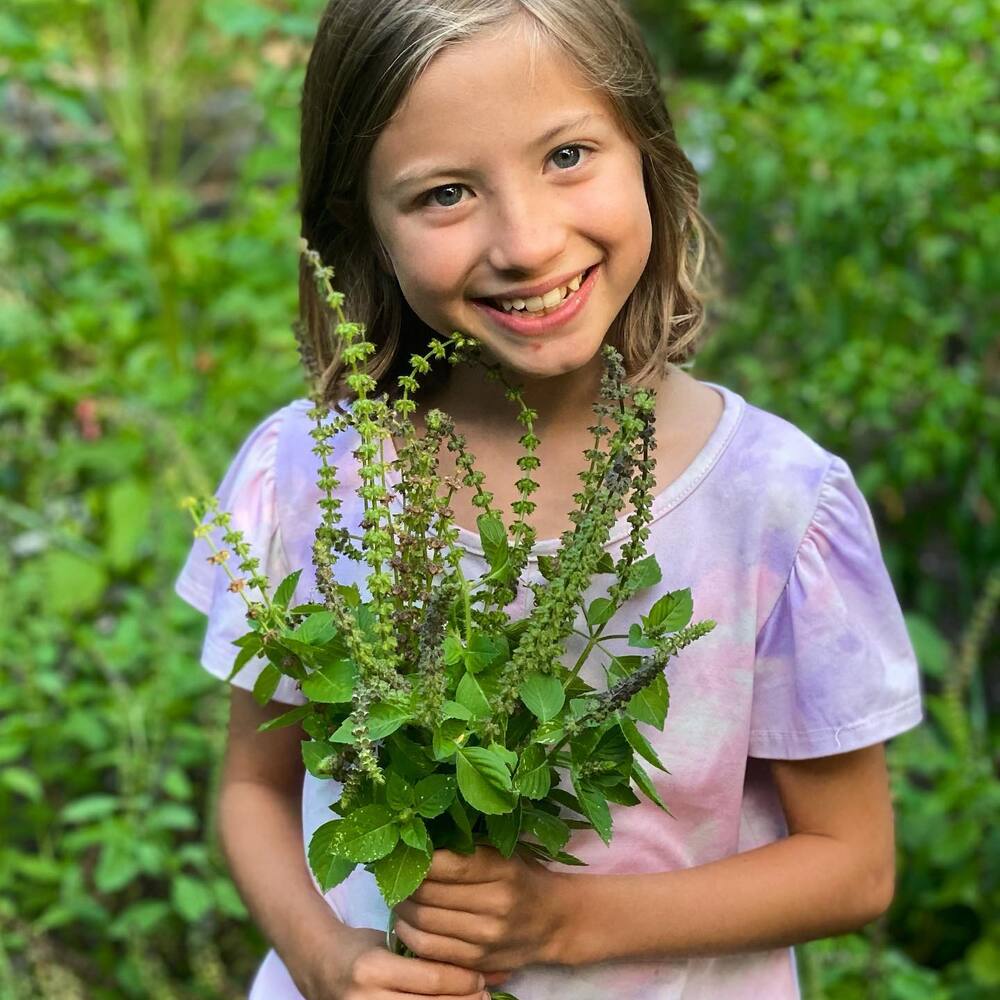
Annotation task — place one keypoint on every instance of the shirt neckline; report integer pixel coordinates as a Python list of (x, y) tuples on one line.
[(679, 490)]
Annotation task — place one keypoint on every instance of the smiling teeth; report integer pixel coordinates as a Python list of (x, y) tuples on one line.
[(543, 303)]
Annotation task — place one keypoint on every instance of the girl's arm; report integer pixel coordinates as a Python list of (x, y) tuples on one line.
[(260, 831), (834, 873)]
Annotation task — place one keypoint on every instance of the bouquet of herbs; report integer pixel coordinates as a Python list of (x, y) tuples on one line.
[(447, 723)]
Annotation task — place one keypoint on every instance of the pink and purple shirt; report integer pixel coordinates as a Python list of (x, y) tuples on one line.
[(810, 657)]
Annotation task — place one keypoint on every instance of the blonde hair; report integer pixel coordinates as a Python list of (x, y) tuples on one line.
[(366, 56)]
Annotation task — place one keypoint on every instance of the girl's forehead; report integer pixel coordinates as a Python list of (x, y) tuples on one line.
[(488, 87)]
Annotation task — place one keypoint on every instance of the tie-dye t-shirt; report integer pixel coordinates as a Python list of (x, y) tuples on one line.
[(810, 657)]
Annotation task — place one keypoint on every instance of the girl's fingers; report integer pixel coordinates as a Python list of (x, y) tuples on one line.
[(410, 978), (390, 995), (453, 896), (441, 948), (429, 996), (473, 928)]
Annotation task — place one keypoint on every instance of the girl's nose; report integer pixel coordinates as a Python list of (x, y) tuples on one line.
[(527, 231)]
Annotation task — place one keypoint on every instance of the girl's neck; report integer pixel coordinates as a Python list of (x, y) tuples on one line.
[(564, 403)]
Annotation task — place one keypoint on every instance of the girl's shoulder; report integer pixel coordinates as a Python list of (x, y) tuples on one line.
[(781, 457), (775, 480)]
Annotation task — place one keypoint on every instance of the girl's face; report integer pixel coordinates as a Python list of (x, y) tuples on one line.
[(515, 189)]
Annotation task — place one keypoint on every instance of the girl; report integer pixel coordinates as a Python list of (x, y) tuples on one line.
[(467, 164)]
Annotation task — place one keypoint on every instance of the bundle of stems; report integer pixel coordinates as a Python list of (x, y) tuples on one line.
[(446, 723)]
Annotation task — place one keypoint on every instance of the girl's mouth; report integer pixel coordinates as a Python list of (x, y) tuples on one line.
[(526, 324)]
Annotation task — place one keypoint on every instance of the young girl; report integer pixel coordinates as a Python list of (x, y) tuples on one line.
[(465, 165)]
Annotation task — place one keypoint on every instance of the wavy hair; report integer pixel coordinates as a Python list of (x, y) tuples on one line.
[(366, 56)]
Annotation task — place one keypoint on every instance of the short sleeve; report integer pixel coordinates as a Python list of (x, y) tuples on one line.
[(835, 669), (248, 493)]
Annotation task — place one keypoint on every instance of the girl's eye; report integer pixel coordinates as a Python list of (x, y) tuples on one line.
[(426, 199)]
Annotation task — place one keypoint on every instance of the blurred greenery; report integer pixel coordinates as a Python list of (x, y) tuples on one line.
[(849, 155)]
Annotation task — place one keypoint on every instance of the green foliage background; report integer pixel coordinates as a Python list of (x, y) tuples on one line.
[(849, 155)]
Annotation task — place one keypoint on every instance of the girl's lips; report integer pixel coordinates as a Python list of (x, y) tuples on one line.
[(526, 325)]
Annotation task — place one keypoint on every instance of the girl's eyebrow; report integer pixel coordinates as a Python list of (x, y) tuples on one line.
[(421, 174)]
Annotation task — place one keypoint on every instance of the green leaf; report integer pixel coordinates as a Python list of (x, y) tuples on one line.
[(509, 757), (453, 710), (117, 865), (413, 831), (616, 791), (89, 808), (332, 683), (566, 799), (644, 573), (410, 759), (227, 899), (493, 536), (127, 510), (329, 868), (71, 584), (317, 630), (552, 833), (444, 739), (367, 834), (569, 859), (621, 666), (637, 638), (22, 781), (344, 733), (471, 695), (932, 648), (579, 707), (243, 657), (385, 718), (453, 649), (286, 719), (614, 748), (461, 832), (533, 777), (314, 753), (639, 743), (170, 816), (504, 830), (400, 873), (651, 703), (434, 794), (600, 611), (286, 589), (605, 564), (191, 897), (315, 656), (548, 732), (670, 613), (483, 651), (543, 694), (583, 744), (398, 792), (484, 780), (645, 784), (266, 684), (306, 609), (595, 807), (290, 664)]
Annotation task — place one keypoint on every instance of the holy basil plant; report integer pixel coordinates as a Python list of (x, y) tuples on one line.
[(447, 723)]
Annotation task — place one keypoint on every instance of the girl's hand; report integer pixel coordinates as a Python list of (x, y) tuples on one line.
[(367, 970), (482, 911)]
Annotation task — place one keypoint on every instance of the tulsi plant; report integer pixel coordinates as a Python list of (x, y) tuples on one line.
[(447, 723)]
